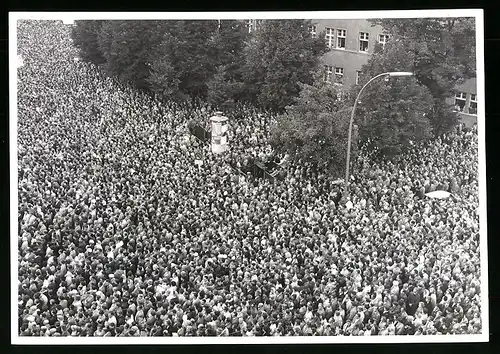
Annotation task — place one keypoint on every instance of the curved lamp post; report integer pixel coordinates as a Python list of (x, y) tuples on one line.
[(388, 74)]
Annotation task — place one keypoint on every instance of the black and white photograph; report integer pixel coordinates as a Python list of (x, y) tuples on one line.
[(248, 177)]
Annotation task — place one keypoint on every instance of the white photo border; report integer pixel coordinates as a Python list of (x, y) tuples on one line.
[(479, 21)]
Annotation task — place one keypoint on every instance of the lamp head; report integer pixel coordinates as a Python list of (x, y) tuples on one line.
[(400, 73)]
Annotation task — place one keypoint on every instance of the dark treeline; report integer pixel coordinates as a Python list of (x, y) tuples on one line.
[(215, 61)]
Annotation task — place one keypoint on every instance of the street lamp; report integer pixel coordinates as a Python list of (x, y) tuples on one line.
[(388, 74)]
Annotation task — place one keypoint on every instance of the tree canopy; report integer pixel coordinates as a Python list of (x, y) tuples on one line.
[(442, 54), (128, 46), (85, 37), (394, 111), (227, 53), (218, 61), (181, 64), (315, 127), (281, 55)]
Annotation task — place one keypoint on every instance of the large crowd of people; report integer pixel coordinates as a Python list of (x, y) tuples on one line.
[(122, 232)]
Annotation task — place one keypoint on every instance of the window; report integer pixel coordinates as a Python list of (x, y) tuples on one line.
[(329, 36), (339, 74), (473, 104), (341, 34), (460, 99), (363, 41), (328, 73), (358, 73), (383, 39), (312, 30)]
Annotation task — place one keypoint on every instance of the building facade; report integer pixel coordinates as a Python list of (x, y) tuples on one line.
[(351, 43), (465, 102)]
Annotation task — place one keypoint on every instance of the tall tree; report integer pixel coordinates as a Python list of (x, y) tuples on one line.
[(280, 55), (164, 78), (169, 57), (85, 36), (315, 127), (226, 46), (443, 54), (392, 112), (224, 90), (165, 72), (226, 49), (128, 46), (184, 53), (195, 62)]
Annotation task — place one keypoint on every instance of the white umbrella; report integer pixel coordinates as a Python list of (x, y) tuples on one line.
[(438, 194)]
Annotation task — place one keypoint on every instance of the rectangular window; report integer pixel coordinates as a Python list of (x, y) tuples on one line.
[(341, 35), (330, 37), (328, 73), (383, 39), (460, 99), (358, 73), (363, 41), (339, 74), (312, 30), (473, 104)]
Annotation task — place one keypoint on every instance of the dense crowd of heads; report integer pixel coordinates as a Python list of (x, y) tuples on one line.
[(122, 233)]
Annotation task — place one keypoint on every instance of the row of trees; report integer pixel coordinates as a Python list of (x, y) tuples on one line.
[(278, 68), (391, 113), (218, 61)]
